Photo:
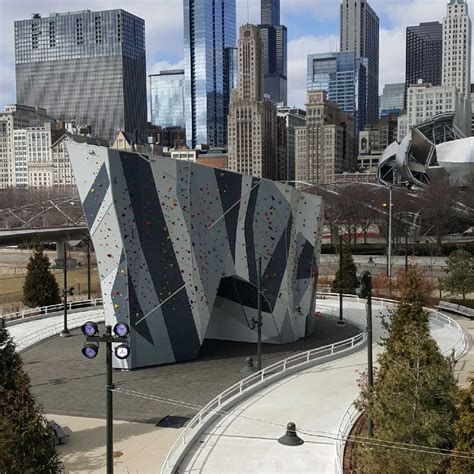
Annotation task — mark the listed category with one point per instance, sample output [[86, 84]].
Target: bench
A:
[[59, 434], [456, 308]]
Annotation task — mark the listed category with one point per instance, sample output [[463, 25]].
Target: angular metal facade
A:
[[84, 67], [177, 247]]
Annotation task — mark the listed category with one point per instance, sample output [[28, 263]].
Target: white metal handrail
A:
[[345, 427], [266, 376], [352, 413], [459, 346], [28, 312], [74, 321]]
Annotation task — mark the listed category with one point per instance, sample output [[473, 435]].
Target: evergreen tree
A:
[[464, 431], [26, 444], [349, 274], [40, 288], [413, 398], [460, 273]]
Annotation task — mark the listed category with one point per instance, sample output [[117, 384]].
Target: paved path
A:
[[66, 383], [315, 400], [141, 447]]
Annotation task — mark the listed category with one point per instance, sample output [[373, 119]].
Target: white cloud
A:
[[298, 51]]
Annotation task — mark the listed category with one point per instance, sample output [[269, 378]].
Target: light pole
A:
[[66, 291], [122, 351], [389, 237], [259, 314], [340, 321], [88, 255], [365, 291]]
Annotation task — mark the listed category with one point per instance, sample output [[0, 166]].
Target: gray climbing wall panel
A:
[[177, 247]]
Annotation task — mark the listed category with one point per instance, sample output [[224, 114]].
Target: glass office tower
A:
[[167, 98], [209, 28], [392, 101], [84, 67], [344, 78]]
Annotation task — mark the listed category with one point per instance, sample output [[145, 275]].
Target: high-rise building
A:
[[275, 52], [392, 101], [252, 118], [424, 101], [289, 119], [209, 28], [326, 147], [167, 99], [424, 53], [270, 12], [359, 25], [14, 119], [230, 75], [457, 47], [33, 166], [84, 67], [344, 78]]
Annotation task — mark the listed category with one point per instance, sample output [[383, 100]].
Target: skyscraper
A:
[[424, 53], [457, 47], [325, 146], [344, 78], [84, 67], [167, 98], [360, 33], [252, 118], [14, 119], [209, 28], [270, 12], [275, 52]]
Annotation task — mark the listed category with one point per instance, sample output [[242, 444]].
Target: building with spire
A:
[[359, 32], [275, 52], [252, 118]]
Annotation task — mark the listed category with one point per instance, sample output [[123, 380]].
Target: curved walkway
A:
[[28, 332], [245, 439]]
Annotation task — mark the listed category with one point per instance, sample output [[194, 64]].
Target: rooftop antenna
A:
[[248, 12]]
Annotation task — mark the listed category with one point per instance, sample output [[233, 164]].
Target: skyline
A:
[[313, 26]]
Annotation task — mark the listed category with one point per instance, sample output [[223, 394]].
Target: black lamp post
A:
[[66, 291], [122, 351], [365, 291], [88, 255], [341, 321]]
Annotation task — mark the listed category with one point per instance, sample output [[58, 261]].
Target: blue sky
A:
[[313, 26]]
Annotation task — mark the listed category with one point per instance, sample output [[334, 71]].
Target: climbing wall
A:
[[178, 246]]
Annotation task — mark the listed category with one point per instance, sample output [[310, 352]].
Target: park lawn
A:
[[11, 286]]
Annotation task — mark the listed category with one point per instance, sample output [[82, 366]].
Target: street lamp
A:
[[66, 291], [365, 291], [341, 321], [122, 351], [258, 323], [389, 237]]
